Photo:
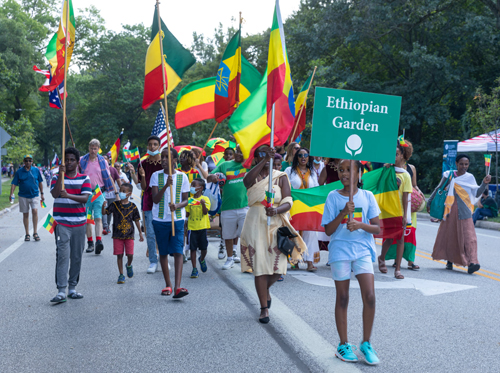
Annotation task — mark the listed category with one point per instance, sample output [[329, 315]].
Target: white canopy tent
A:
[[485, 143]]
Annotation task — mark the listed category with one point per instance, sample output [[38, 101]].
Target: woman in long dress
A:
[[456, 241], [259, 244], [302, 176]]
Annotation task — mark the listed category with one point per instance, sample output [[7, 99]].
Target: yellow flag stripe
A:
[[251, 134], [234, 63], [198, 97]]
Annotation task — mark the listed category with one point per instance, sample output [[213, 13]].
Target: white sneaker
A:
[[222, 252], [158, 267], [236, 258], [229, 264], [152, 268], [187, 252]]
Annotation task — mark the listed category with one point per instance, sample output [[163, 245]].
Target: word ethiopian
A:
[[341, 103]]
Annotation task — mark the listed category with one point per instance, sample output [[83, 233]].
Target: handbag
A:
[[417, 201], [437, 204], [285, 244]]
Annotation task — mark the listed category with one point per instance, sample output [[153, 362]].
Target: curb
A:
[[9, 209], [479, 224]]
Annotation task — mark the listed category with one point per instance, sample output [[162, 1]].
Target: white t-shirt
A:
[[204, 166], [123, 179], [185, 187]]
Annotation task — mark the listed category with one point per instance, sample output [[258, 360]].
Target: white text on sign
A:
[[340, 103]]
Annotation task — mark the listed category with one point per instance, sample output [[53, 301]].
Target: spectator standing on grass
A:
[[30, 183]]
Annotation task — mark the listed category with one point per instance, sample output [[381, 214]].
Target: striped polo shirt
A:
[[66, 211]]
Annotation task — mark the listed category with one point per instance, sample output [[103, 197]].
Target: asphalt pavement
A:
[[433, 321]]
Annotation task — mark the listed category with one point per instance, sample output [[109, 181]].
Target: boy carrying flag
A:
[[70, 216], [198, 224], [125, 214]]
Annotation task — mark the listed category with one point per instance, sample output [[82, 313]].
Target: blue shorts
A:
[[341, 270], [95, 208], [168, 245]]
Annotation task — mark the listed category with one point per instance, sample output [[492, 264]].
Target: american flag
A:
[[160, 130]]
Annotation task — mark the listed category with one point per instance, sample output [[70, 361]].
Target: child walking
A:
[[352, 248], [198, 224], [125, 214]]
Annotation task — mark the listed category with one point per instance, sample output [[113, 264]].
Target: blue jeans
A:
[[479, 214], [150, 236]]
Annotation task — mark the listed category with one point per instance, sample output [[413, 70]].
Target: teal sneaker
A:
[[121, 279], [203, 265], [371, 356], [130, 271], [194, 274], [344, 352]]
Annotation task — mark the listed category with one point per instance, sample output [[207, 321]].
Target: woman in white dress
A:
[[303, 176]]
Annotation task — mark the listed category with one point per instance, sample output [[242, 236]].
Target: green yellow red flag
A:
[[300, 102], [96, 194], [308, 204], [196, 101], [227, 84], [55, 49], [279, 81], [50, 224], [177, 60]]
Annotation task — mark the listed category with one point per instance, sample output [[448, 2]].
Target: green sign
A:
[[355, 125]]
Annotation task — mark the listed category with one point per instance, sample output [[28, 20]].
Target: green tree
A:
[[22, 140]]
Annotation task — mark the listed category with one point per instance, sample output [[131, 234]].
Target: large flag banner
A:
[[309, 204], [279, 81], [177, 61], [115, 149], [160, 130], [55, 49], [227, 85], [300, 102], [196, 101]]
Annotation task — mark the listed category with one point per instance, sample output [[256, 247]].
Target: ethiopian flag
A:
[[50, 224], [300, 104], [96, 194], [487, 160], [227, 84], [279, 81], [177, 60], [196, 101], [358, 216], [309, 204], [115, 149], [193, 202], [89, 218], [55, 49]]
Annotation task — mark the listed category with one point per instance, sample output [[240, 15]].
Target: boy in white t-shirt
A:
[[163, 210]]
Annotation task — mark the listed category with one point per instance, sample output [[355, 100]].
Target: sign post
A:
[[358, 126]]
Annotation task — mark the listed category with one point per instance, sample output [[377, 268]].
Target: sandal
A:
[[36, 237], [413, 267], [27, 237], [281, 278], [167, 291], [58, 299], [181, 292], [75, 295], [398, 275], [264, 320], [312, 269], [381, 265]]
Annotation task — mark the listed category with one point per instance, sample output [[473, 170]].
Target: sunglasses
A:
[[303, 155], [28, 160], [261, 154], [297, 148]]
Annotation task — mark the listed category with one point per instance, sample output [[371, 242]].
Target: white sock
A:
[[229, 258], [62, 294]]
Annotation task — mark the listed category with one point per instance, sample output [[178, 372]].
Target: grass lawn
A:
[[4, 198]]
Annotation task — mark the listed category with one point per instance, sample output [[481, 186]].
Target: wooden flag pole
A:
[[271, 165], [65, 90], [165, 110], [70, 135], [209, 137], [302, 108]]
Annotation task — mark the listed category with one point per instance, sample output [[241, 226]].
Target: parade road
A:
[[434, 320]]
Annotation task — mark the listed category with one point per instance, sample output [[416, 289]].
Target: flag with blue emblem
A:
[[227, 83]]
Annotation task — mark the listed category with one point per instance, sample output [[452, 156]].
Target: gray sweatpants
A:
[[70, 243]]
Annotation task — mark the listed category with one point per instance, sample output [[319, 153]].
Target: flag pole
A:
[[271, 165], [165, 113], [69, 131], [302, 108], [351, 186], [211, 133], [64, 95]]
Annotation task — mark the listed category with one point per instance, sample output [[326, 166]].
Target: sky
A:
[[183, 17]]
